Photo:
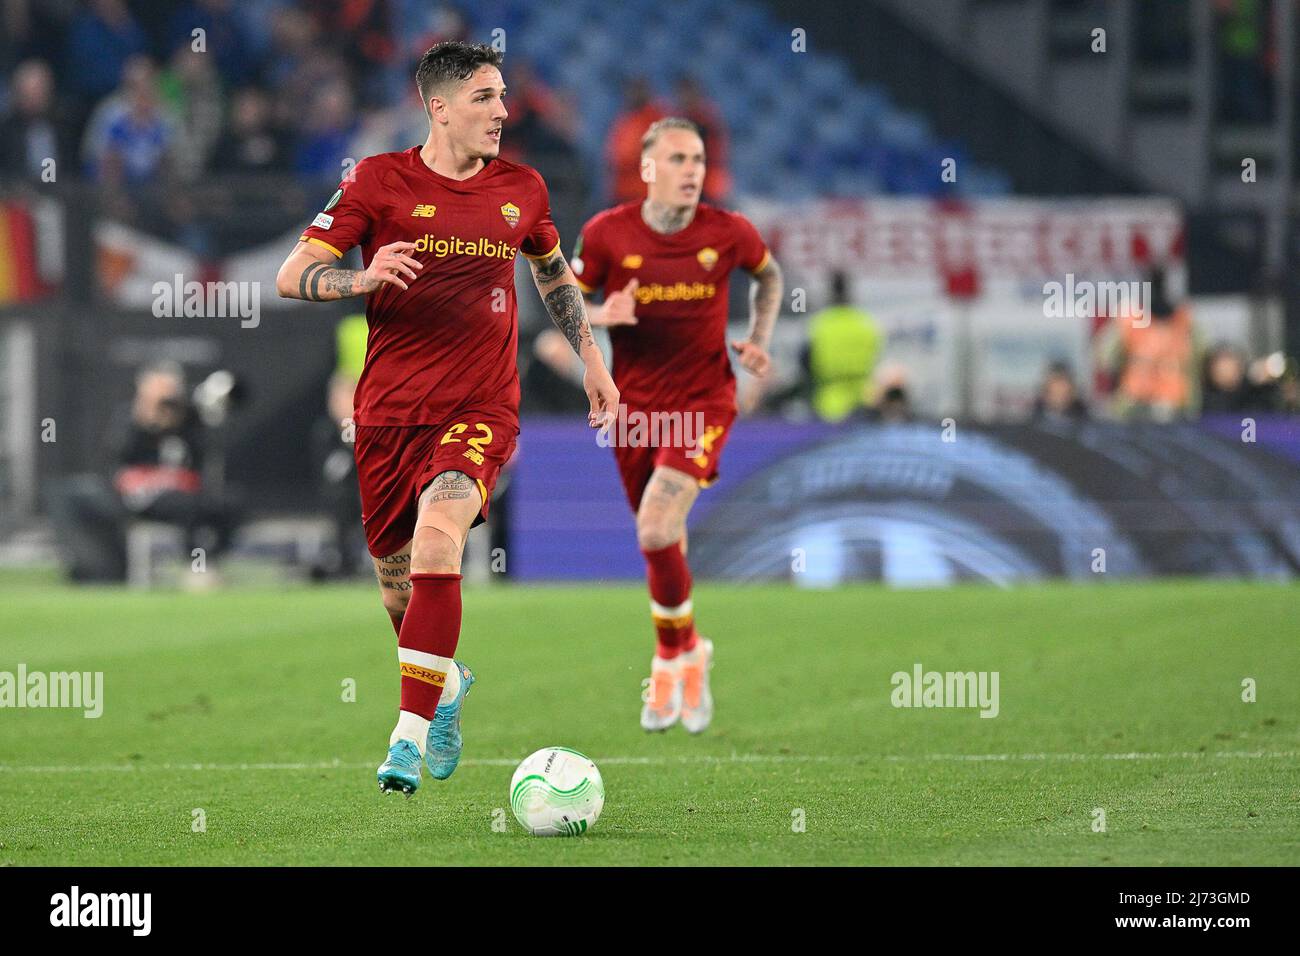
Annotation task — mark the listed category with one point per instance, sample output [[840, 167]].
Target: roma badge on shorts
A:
[[510, 212]]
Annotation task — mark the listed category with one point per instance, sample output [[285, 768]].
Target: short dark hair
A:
[[451, 61]]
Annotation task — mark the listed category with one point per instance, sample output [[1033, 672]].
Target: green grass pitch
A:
[[1125, 698]]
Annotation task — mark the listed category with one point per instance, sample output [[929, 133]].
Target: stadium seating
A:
[[852, 139]]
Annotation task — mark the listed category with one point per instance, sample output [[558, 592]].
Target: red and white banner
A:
[[964, 247]]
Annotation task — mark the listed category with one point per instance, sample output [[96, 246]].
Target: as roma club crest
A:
[[510, 212], [707, 257]]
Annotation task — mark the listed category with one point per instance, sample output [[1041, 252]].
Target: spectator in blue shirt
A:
[[137, 138]]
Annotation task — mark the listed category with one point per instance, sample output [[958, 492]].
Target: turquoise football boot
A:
[[442, 749], [401, 771]]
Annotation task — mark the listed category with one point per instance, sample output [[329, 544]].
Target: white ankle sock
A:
[[411, 727], [452, 686]]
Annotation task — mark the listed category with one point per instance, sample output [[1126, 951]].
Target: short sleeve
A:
[[543, 239], [348, 215], [590, 261], [751, 251]]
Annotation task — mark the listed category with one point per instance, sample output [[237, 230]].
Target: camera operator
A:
[[157, 474]]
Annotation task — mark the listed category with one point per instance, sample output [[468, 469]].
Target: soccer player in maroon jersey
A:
[[437, 404], [664, 265]]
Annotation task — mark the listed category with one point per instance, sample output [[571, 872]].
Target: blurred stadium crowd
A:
[[122, 93]]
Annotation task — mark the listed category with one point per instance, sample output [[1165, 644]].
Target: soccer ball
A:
[[557, 792]]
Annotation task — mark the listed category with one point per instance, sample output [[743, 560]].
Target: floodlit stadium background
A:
[[965, 166]]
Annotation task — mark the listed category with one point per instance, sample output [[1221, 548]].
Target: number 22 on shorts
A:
[[475, 451]]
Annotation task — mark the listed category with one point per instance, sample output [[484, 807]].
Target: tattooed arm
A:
[[309, 273], [764, 304], [564, 303]]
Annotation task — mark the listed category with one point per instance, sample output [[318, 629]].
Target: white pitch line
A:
[[1134, 755], [696, 759]]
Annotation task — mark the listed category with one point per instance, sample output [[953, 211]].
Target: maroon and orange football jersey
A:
[[449, 341], [675, 357]]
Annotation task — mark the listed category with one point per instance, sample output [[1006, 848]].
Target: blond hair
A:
[[668, 122]]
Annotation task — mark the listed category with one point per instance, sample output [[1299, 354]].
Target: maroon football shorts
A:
[[396, 462], [637, 463]]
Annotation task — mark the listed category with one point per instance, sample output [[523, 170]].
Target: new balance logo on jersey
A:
[[632, 261], [455, 246], [424, 211]]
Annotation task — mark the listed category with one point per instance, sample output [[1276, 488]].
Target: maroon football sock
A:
[[427, 640], [669, 578]]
